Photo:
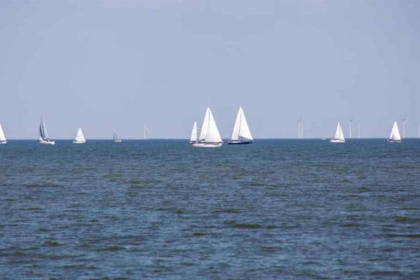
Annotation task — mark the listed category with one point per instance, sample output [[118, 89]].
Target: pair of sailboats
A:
[[44, 139], [394, 137], [210, 136]]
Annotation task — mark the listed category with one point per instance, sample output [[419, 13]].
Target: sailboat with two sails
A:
[[3, 139], [241, 133], [209, 135], [395, 136], [43, 134], [339, 136]]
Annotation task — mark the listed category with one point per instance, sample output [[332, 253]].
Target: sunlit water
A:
[[277, 209]]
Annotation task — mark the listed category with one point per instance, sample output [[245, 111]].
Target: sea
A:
[[161, 209]]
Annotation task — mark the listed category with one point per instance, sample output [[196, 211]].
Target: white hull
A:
[[48, 142], [3, 142], [79, 142], [394, 141], [206, 145], [117, 141], [337, 141]]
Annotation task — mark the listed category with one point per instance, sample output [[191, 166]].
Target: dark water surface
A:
[[277, 209]]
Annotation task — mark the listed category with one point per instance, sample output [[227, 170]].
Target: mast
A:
[[350, 128]]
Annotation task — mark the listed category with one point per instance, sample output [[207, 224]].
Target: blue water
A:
[[277, 209]]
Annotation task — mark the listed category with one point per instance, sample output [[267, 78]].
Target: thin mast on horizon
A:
[[300, 127], [145, 130], [350, 128]]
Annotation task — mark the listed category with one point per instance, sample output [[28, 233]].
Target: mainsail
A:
[[194, 133], [209, 131], [395, 133], [241, 129], [2, 136], [43, 134], [80, 138], [339, 133]]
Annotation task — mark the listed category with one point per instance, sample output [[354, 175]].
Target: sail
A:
[[194, 133], [209, 131], [205, 125], [339, 133], [241, 128], [115, 135], [79, 136], [2, 136], [395, 133], [43, 130]]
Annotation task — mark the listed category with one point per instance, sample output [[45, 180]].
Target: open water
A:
[[276, 209]]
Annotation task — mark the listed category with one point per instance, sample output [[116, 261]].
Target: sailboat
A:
[[80, 138], [43, 134], [116, 138], [3, 139], [241, 133], [395, 136], [194, 134], [339, 136], [209, 135]]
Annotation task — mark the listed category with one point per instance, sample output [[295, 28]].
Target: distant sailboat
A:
[[194, 134], [43, 134], [395, 136], [241, 133], [116, 138], [209, 136], [339, 136], [3, 139], [80, 138]]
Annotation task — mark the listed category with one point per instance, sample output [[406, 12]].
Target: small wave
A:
[[42, 185], [407, 220], [228, 210], [171, 209], [52, 243], [200, 233], [113, 248], [403, 235]]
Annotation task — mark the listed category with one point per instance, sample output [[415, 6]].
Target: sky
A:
[[105, 65]]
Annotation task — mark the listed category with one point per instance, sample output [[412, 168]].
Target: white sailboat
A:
[[395, 136], [209, 136], [3, 139], [80, 138], [116, 138], [43, 134], [194, 134], [339, 136], [241, 133]]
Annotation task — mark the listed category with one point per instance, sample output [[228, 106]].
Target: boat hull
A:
[[3, 142], [394, 141], [239, 142], [337, 141], [79, 142], [47, 142], [206, 145], [117, 141]]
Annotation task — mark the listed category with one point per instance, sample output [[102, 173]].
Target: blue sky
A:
[[102, 65]]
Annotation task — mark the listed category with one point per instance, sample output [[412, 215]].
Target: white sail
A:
[[241, 128], [80, 138], [116, 138], [194, 133], [339, 136], [212, 132], [2, 136], [43, 133], [395, 133], [205, 126]]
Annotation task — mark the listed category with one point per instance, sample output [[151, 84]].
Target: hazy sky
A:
[[102, 65]]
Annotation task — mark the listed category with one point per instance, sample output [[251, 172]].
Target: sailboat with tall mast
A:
[[241, 133], [209, 135], [43, 134], [339, 136], [395, 136], [3, 139], [80, 137], [116, 138]]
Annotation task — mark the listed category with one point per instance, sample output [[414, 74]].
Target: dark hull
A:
[[240, 142]]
